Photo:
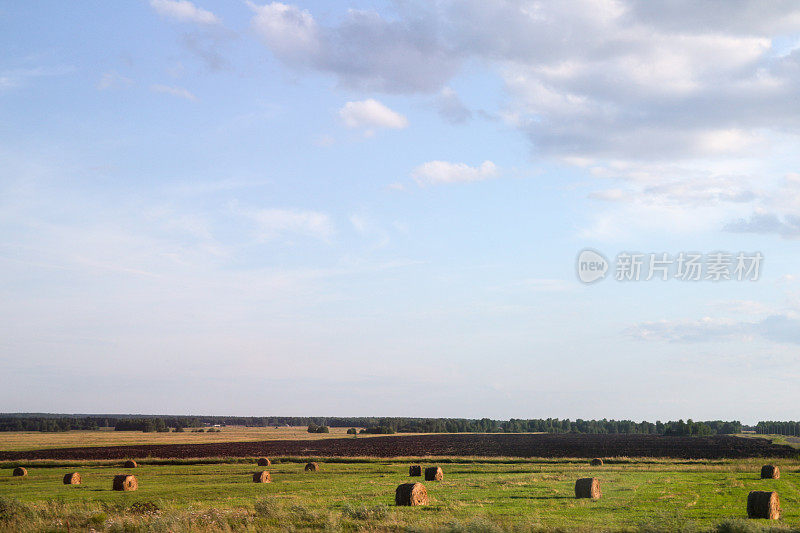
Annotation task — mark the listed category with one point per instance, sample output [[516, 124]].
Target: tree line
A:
[[778, 428], [388, 425]]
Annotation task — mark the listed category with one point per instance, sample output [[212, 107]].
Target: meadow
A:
[[477, 494]]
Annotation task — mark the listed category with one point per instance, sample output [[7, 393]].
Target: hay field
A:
[[34, 440], [475, 495]]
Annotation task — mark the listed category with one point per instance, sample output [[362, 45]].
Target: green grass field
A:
[[476, 495]]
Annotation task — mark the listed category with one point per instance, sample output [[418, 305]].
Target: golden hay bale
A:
[[125, 482], [411, 494], [433, 473], [588, 487], [263, 461], [262, 477], [597, 462], [73, 478], [770, 472], [312, 467], [130, 464], [414, 470], [763, 504], [19, 471]]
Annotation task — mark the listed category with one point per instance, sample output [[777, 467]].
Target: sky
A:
[[376, 208]]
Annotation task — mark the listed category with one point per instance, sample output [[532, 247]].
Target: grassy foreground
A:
[[518, 495]]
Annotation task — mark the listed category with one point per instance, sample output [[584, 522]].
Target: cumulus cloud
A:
[[626, 84], [365, 50], [669, 106], [291, 33], [436, 172], [635, 80], [180, 92], [370, 114], [742, 17], [184, 11]]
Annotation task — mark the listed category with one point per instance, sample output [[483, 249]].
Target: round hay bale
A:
[[263, 461], [130, 464], [763, 504], [125, 482], [770, 472], [433, 473], [262, 477], [588, 487], [597, 462], [411, 494], [312, 467], [73, 478], [414, 470], [19, 471]]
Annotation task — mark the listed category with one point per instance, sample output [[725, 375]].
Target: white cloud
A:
[[703, 330], [635, 81], [274, 223], [777, 211], [113, 80], [670, 198], [735, 196], [184, 11], [292, 34], [370, 114], [435, 172], [174, 91], [367, 227], [764, 223], [779, 328], [365, 51]]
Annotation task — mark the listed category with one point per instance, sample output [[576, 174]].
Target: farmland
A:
[[490, 445], [31, 440], [476, 495], [491, 483]]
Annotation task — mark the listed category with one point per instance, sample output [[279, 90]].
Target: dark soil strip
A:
[[459, 445]]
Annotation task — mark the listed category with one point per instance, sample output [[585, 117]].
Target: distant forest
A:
[[151, 423]]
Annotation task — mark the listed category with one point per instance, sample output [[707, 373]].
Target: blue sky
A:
[[375, 208]]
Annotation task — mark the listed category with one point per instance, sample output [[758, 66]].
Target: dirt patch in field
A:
[[458, 445]]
